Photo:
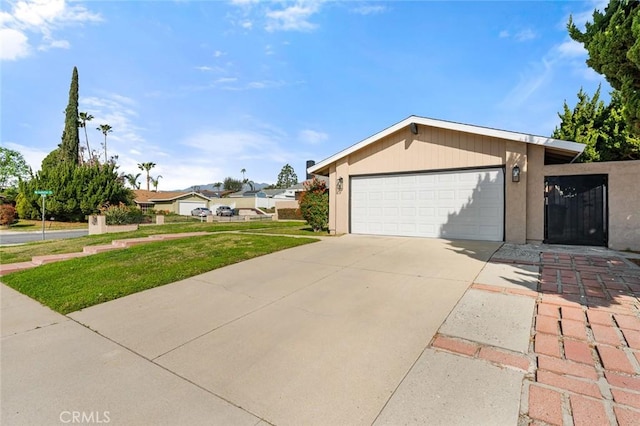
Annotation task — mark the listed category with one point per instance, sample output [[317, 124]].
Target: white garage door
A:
[[187, 206], [465, 204]]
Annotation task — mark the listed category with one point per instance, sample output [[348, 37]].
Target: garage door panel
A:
[[185, 207], [465, 204]]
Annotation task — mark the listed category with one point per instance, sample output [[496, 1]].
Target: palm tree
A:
[[243, 171], [105, 128], [132, 180], [84, 117], [155, 181], [147, 168], [218, 185]]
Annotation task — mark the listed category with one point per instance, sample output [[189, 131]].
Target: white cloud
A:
[[525, 35], [312, 137], [261, 149], [570, 49], [282, 15], [32, 156], [369, 9], [39, 19], [54, 44], [292, 18], [226, 80], [218, 53], [567, 55], [120, 113], [14, 44], [265, 84]]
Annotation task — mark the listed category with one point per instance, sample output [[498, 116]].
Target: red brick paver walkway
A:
[[586, 339]]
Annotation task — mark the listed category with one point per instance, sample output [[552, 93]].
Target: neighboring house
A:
[[432, 178], [179, 202], [211, 194], [274, 193], [294, 192], [290, 199], [287, 194], [248, 194]]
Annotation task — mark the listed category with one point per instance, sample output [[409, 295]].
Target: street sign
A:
[[44, 194]]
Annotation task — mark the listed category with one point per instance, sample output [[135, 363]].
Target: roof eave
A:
[[568, 146]]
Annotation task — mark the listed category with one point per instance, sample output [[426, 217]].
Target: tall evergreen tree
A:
[[613, 43], [70, 146], [287, 177], [602, 128], [77, 191]]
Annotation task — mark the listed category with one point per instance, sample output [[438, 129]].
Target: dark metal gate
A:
[[576, 210]]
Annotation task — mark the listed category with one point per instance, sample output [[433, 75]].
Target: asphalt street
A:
[[7, 238]]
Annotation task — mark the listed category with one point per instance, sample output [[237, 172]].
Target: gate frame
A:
[[605, 212]]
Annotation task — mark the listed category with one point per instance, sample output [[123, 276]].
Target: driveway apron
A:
[[318, 334]]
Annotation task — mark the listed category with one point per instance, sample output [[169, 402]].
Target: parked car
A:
[[224, 211], [201, 211]]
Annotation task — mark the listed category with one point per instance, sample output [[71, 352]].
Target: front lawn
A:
[[82, 282], [304, 230], [24, 253]]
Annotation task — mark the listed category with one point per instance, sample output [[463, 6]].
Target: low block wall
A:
[[98, 225]]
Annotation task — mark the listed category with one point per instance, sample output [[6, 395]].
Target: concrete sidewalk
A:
[[55, 370]]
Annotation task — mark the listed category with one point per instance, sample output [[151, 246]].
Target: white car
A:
[[224, 211], [201, 211]]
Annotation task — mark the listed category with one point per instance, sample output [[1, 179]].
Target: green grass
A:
[[82, 282], [24, 253], [301, 230]]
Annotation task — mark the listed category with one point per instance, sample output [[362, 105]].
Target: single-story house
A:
[[179, 202], [259, 193], [294, 191], [275, 193], [432, 178]]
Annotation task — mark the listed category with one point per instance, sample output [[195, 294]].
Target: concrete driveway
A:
[[318, 334]]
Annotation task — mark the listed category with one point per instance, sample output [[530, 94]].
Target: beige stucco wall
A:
[[430, 149], [515, 218], [433, 149], [167, 206], [623, 199]]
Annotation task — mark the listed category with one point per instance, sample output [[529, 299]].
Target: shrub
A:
[[122, 214], [7, 214], [314, 204], [289, 214]]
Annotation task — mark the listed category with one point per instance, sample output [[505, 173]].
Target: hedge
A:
[[289, 214]]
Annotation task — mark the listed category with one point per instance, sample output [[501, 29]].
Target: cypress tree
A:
[[70, 136]]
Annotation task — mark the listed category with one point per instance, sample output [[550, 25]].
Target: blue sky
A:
[[207, 88]]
